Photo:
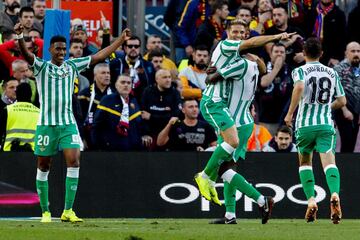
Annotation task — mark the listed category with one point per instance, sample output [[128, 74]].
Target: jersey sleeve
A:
[[339, 91], [235, 70], [81, 63], [297, 75], [228, 47], [37, 65]]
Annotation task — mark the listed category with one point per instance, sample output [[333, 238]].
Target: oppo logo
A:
[[279, 195]]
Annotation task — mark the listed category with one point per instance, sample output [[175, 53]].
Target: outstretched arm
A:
[[260, 41], [29, 56], [104, 53]]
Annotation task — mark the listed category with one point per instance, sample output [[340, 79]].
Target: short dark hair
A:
[[57, 38], [188, 100], [75, 40], [218, 4], [243, 8], [154, 53], [313, 48], [201, 47], [6, 35], [26, 9], [33, 2], [284, 129], [281, 6], [23, 92], [277, 44]]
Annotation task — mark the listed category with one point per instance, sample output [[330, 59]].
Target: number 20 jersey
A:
[[322, 84]]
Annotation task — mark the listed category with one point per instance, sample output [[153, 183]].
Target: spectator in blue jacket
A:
[[117, 122]]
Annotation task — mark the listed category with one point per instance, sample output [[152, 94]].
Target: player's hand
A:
[[147, 140], [348, 115], [288, 120], [18, 28], [285, 35], [210, 69], [251, 57], [145, 115], [126, 34]]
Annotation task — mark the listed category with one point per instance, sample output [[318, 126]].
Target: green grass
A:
[[174, 229]]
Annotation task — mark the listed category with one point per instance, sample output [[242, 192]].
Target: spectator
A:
[[79, 31], [39, 11], [294, 55], [90, 98], [212, 30], [6, 36], [9, 93], [117, 121], [34, 34], [263, 21], [154, 43], [22, 73], [275, 89], [296, 11], [189, 134], [194, 14], [141, 71], [159, 103], [260, 136], [157, 59], [18, 122], [193, 77], [327, 22], [9, 17], [76, 48], [244, 13], [347, 118], [26, 18], [282, 142]]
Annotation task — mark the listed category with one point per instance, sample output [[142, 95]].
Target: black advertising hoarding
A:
[[160, 185]]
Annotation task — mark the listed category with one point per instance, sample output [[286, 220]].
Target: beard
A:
[[201, 66], [13, 6]]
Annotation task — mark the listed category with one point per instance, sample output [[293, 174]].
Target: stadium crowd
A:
[[145, 101]]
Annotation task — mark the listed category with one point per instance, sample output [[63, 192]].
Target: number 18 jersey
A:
[[322, 84]]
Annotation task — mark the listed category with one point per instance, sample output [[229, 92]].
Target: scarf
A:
[[319, 26], [123, 125], [133, 73], [219, 29]]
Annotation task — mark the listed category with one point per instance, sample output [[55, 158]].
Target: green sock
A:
[[219, 155], [42, 188], [243, 186], [71, 187], [229, 196], [333, 179], [307, 181]]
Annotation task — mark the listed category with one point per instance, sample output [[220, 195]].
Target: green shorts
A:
[[244, 133], [48, 139], [216, 114], [321, 138]]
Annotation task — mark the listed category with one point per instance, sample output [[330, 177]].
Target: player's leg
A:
[[218, 116], [70, 143], [46, 140], [306, 143], [326, 143]]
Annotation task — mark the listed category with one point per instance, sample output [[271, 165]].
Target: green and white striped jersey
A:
[[55, 86], [242, 91], [322, 84], [226, 52]]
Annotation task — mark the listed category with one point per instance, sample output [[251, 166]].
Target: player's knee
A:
[[234, 142]]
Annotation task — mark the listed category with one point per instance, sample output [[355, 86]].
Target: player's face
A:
[[353, 53], [279, 17], [283, 140], [237, 32], [191, 109], [58, 52], [102, 76], [123, 85]]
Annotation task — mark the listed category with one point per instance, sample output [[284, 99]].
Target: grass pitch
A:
[[176, 229]]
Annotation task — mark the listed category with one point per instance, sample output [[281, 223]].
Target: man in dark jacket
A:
[[117, 121]]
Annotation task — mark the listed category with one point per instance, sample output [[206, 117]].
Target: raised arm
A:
[[260, 41], [29, 56], [104, 53]]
